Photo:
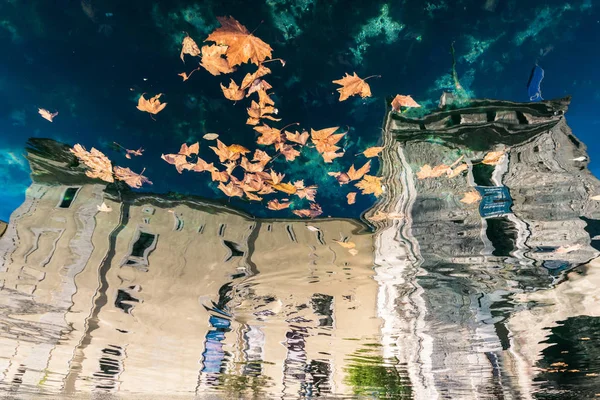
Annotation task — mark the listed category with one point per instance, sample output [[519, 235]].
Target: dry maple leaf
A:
[[341, 177], [300, 138], [314, 211], [189, 150], [382, 216], [289, 152], [346, 245], [185, 75], [152, 105], [99, 165], [372, 151], [370, 184], [219, 176], [493, 157], [213, 60], [268, 135], [351, 197], [232, 92], [201, 166], [178, 160], [276, 177], [256, 112], [285, 188], [231, 189], [252, 196], [325, 140], [328, 156], [188, 46], [351, 85], [259, 85], [428, 172], [103, 208], [305, 192], [250, 78], [242, 45], [354, 175], [276, 205], [471, 197], [403, 101], [261, 157], [129, 153], [131, 178], [264, 100], [210, 136], [228, 153], [47, 115], [251, 167]]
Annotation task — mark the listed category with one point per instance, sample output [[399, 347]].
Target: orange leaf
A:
[[259, 85], [231, 189], [276, 205], [261, 156], [131, 178], [300, 138], [370, 184], [188, 46], [285, 188], [230, 153], [351, 85], [232, 92], [99, 165], [178, 160], [325, 140], [213, 60], [355, 175], [471, 197], [250, 167], [305, 192], [314, 211], [219, 176], [493, 157], [252, 196], [428, 172], [202, 166], [372, 151], [341, 177], [403, 101], [47, 115], [242, 45], [191, 150], [346, 245], [453, 173], [351, 197], [152, 105], [289, 152], [276, 177], [268, 135], [328, 156], [250, 78]]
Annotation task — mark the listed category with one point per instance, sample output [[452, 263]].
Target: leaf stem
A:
[[372, 76]]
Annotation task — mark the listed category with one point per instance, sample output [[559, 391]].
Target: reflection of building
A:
[[455, 267], [169, 296]]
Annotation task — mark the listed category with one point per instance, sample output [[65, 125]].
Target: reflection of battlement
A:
[[173, 296]]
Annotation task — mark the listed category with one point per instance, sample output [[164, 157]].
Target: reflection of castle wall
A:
[[121, 301]]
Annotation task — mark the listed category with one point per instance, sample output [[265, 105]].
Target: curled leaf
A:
[[351, 197], [285, 188], [188, 46], [471, 197], [370, 184], [403, 101], [232, 92], [276, 205], [493, 157], [312, 212], [351, 85], [99, 166], [152, 105], [131, 178], [47, 115]]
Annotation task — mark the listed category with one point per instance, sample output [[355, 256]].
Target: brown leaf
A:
[[259, 85], [403, 101], [372, 151], [351, 197], [232, 92], [328, 156], [325, 141], [210, 136], [351, 85], [261, 157], [289, 152], [356, 175], [305, 192], [381, 216], [231, 190], [129, 153], [152, 105], [178, 160], [201, 166], [268, 135], [219, 176], [99, 165], [341, 177], [493, 157], [47, 115], [314, 211], [276, 205], [250, 167], [191, 150], [250, 78], [131, 178], [285, 188], [242, 45], [252, 196], [188, 46], [213, 60], [471, 197], [300, 138], [256, 112], [276, 177], [370, 184]]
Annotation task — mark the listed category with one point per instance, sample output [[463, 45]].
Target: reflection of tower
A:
[[161, 293], [456, 265]]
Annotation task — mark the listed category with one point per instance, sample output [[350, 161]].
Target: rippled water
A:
[[178, 297]]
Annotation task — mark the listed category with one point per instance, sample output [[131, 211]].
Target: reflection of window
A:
[[322, 305], [142, 245], [68, 197]]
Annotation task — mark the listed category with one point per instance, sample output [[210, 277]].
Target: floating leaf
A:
[[152, 106], [372, 151], [428, 172], [403, 101], [289, 152], [261, 157], [341, 177], [213, 60], [300, 138], [103, 208], [250, 78], [232, 92], [188, 46], [251, 167], [259, 85], [210, 136], [471, 197], [47, 115], [268, 135], [329, 156], [346, 245], [370, 184], [351, 85], [493, 157], [305, 192], [256, 112], [228, 153], [99, 165], [382, 216], [314, 211], [276, 205], [357, 174], [351, 197], [131, 178], [242, 45], [285, 188], [453, 173], [231, 190]]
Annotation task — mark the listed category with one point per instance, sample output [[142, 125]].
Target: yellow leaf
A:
[[471, 197], [372, 151], [370, 184], [285, 187]]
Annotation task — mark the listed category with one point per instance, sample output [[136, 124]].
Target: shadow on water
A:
[[430, 295]]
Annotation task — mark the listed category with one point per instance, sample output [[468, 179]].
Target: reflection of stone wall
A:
[[121, 301], [3, 226]]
